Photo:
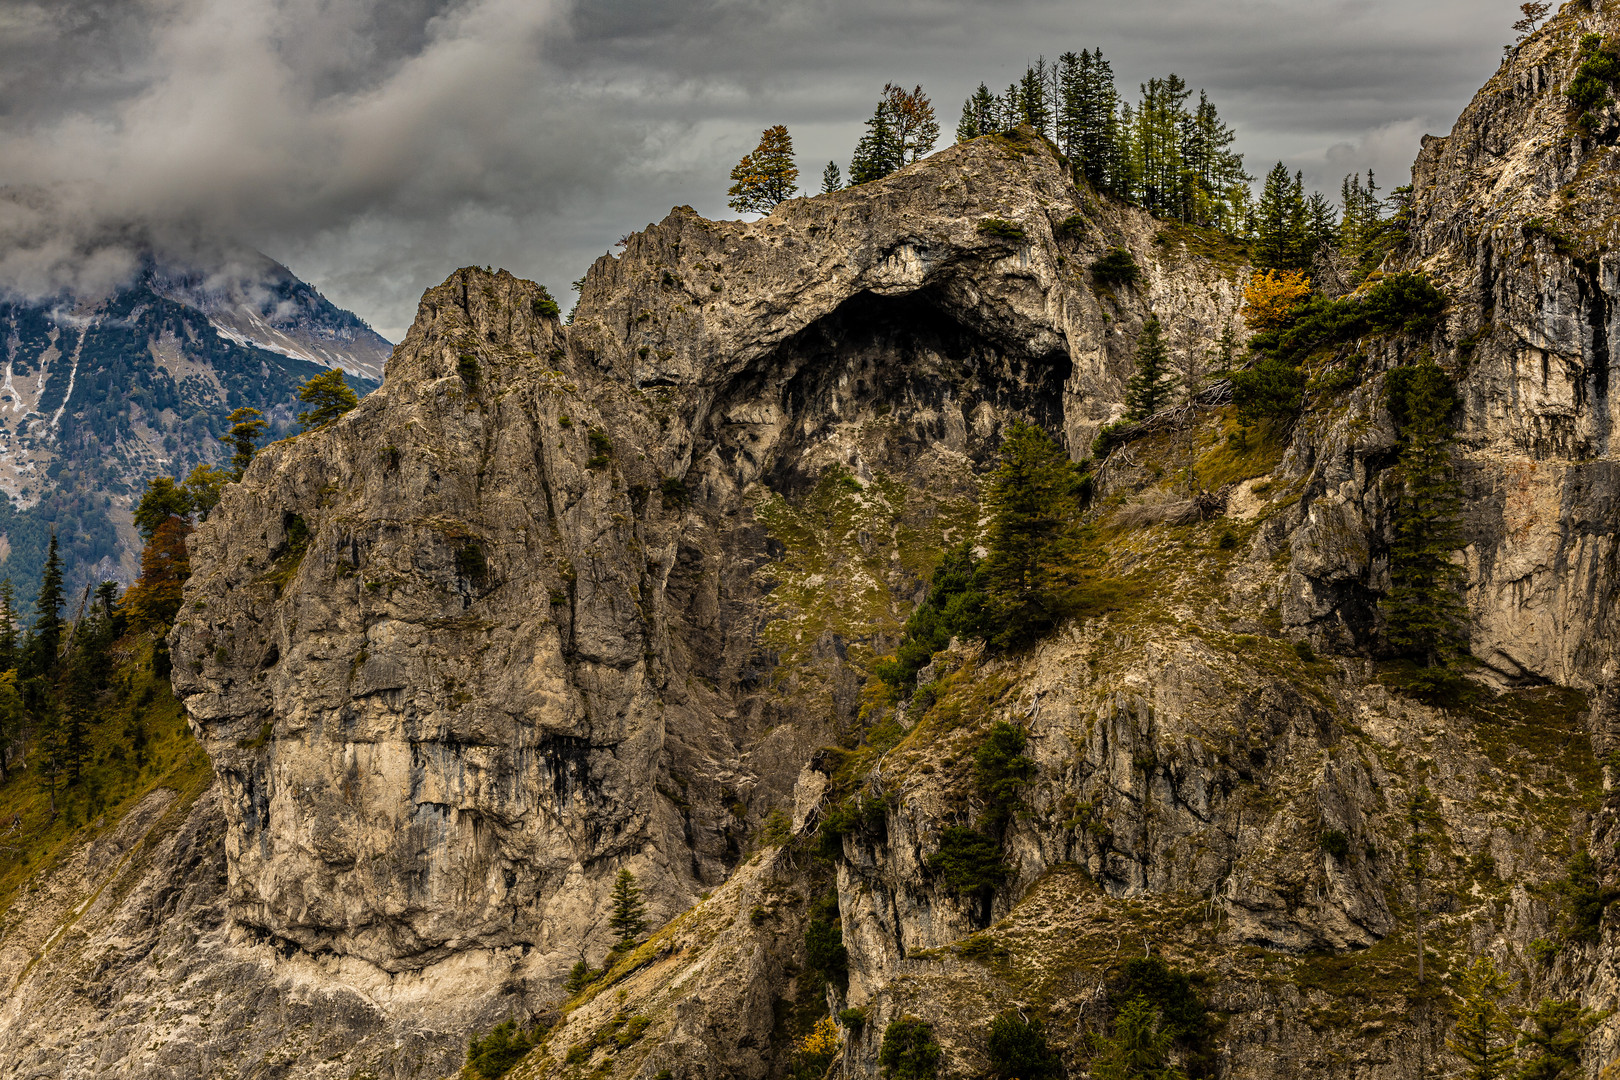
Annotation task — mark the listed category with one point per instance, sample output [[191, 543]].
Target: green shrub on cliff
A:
[[909, 1050], [493, 1056]]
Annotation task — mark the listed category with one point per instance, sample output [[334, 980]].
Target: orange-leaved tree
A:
[[767, 176], [154, 600], [1271, 294]]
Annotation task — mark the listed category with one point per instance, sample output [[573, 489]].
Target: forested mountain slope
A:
[[97, 397], [1191, 757]]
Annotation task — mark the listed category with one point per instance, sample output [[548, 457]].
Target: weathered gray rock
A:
[[561, 600]]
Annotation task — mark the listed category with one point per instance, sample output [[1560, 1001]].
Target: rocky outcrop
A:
[[559, 600]]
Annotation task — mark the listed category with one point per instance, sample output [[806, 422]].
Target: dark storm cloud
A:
[[375, 145]]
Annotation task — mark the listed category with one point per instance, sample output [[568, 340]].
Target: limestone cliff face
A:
[[557, 600]]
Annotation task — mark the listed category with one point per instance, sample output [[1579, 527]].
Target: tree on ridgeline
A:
[[203, 488], [247, 428], [915, 129], [879, 151], [766, 177], [980, 116], [1530, 17], [328, 396], [831, 178], [1280, 222]]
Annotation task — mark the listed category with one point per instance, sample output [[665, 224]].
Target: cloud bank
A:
[[376, 145]]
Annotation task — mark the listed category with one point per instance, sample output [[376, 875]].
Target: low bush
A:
[[494, 1055], [1002, 230], [909, 1050], [1017, 1049], [1118, 267], [968, 861]]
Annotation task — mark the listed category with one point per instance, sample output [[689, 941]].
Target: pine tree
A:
[[8, 626], [1030, 574], [831, 178], [47, 636], [203, 489], [247, 427], [328, 397], [1033, 105], [1280, 222], [1139, 1047], [1151, 387], [1423, 612], [629, 916], [879, 152], [1557, 1030], [766, 177], [77, 715], [1482, 1037], [979, 115], [162, 500]]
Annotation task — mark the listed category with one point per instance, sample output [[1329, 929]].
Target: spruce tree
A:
[[629, 916], [1424, 614], [831, 178], [1280, 222], [77, 713], [978, 115], [8, 626], [162, 500], [1557, 1030], [1031, 572], [1482, 1037], [328, 397], [247, 427], [1151, 387], [47, 637], [1139, 1047], [879, 152], [767, 177]]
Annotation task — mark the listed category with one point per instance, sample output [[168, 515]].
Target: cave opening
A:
[[909, 360]]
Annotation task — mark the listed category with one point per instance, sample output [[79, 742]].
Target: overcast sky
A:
[[376, 145]]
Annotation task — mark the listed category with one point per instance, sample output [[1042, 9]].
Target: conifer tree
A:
[[879, 152], [1150, 388], [47, 637], [1030, 573], [328, 397], [1280, 220], [629, 916], [78, 705], [1557, 1030], [247, 427], [1423, 613], [831, 178], [162, 500], [1032, 98], [203, 488], [8, 626], [1482, 1037], [766, 177], [979, 115], [1139, 1047]]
